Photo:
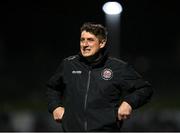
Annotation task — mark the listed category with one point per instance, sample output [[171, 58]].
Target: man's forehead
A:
[[87, 34]]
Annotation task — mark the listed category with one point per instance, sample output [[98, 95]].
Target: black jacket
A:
[[91, 94]]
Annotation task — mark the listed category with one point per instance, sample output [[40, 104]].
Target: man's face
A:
[[90, 44]]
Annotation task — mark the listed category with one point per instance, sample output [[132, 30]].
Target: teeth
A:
[[87, 50]]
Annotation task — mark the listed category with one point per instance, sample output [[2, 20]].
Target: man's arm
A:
[[138, 92], [55, 88]]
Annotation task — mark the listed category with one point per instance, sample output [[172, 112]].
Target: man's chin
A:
[[86, 55]]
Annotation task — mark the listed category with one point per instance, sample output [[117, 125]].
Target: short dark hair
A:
[[97, 29]]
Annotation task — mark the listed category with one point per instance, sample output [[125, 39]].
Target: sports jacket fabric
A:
[[92, 93]]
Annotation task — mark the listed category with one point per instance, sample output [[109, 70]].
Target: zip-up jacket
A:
[[92, 94]]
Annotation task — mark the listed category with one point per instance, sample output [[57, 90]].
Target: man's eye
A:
[[90, 39], [81, 39]]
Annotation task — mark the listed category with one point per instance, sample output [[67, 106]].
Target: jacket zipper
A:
[[86, 96]]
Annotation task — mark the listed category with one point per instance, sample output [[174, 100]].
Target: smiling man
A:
[[90, 44], [94, 92]]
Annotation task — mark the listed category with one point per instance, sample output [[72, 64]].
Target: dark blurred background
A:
[[36, 35]]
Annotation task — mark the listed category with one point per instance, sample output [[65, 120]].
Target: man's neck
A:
[[94, 59]]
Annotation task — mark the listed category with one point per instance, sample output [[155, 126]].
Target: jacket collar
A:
[[95, 61]]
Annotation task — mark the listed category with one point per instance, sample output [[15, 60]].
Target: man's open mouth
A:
[[87, 50]]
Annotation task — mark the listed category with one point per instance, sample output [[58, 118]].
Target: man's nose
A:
[[85, 43]]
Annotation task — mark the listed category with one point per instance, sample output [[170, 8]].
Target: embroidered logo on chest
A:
[[107, 74], [76, 72]]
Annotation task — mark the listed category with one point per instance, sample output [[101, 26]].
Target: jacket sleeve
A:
[[138, 91], [55, 87]]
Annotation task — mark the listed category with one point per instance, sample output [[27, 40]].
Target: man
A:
[[92, 91]]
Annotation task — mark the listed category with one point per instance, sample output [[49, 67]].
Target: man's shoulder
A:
[[117, 61], [71, 58], [125, 66]]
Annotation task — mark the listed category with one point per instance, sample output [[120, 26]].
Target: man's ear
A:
[[103, 43]]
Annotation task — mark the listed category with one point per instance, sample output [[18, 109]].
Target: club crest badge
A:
[[107, 74]]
